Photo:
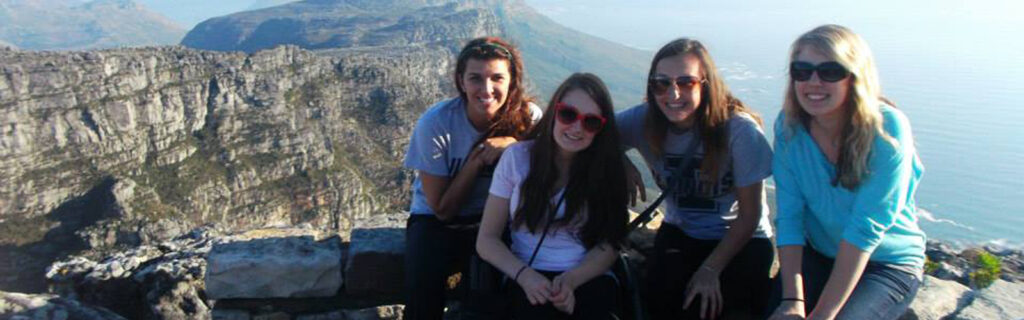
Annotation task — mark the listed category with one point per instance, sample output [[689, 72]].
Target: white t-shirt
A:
[[561, 250]]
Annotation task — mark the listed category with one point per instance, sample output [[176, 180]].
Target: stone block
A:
[[289, 267], [376, 262], [1001, 300]]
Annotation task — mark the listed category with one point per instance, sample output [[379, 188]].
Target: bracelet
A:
[[793, 299], [516, 278]]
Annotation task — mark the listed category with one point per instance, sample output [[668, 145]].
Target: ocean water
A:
[[954, 67]]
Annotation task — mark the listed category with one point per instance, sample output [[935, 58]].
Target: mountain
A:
[[77, 25], [552, 51], [123, 147]]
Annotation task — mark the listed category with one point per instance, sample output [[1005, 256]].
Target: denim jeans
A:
[[883, 292]]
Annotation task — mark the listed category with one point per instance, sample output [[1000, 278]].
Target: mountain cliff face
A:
[[74, 25], [551, 51], [130, 146]]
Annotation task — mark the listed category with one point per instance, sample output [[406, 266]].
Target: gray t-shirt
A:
[[704, 211], [440, 143]]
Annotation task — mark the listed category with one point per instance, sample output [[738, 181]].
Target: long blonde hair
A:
[[862, 106]]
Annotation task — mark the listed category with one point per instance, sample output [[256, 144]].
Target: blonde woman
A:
[[846, 171]]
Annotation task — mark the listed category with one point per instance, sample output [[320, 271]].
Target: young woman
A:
[[453, 150], [570, 168], [846, 171], [712, 253]]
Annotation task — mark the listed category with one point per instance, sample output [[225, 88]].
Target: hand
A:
[[536, 286], [705, 283], [490, 150], [634, 182], [789, 310], [564, 298]]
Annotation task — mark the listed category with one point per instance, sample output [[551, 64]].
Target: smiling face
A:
[[572, 138], [486, 85], [816, 97], [679, 103]]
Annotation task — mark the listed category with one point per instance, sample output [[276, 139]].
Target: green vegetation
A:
[[930, 266], [988, 270]]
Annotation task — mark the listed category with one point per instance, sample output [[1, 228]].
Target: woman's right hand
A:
[[536, 286], [490, 150], [789, 310]]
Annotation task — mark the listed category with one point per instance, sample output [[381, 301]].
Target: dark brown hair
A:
[[596, 192], [716, 106], [514, 118]]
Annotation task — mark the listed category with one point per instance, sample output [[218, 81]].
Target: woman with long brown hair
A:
[[712, 252], [454, 148], [564, 189], [846, 171]]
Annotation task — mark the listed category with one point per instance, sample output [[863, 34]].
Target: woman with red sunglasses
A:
[[565, 189], [712, 251], [453, 149], [845, 172]]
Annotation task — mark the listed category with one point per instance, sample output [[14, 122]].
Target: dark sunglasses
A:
[[827, 71], [660, 84], [567, 114]]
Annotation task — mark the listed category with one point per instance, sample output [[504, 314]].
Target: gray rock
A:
[[376, 256], [47, 306], [221, 314], [388, 312], [947, 271], [1001, 300], [937, 299], [274, 268]]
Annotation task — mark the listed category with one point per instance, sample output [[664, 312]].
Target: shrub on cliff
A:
[[988, 268]]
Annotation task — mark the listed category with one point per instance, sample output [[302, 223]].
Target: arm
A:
[[445, 196], [493, 250], [705, 281], [850, 264], [791, 267], [595, 263]]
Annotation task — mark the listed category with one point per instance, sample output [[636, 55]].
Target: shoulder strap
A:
[[551, 219], [644, 217]]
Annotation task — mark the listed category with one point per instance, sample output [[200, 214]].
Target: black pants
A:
[[434, 250], [595, 299], [745, 282]]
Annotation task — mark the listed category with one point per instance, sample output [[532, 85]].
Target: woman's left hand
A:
[[563, 298], [705, 283]]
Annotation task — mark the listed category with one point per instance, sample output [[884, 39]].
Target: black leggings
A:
[[595, 299], [745, 282], [434, 250]]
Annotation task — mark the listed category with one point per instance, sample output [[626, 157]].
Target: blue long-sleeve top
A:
[[878, 216]]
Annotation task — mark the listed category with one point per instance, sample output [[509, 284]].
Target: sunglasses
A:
[[567, 114], [827, 71], [660, 84]]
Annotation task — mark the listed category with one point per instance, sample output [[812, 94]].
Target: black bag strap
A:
[[551, 220], [644, 217]]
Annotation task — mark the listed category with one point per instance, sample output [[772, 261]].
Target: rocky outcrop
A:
[[47, 306], [134, 146], [937, 299], [1002, 300], [164, 281]]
